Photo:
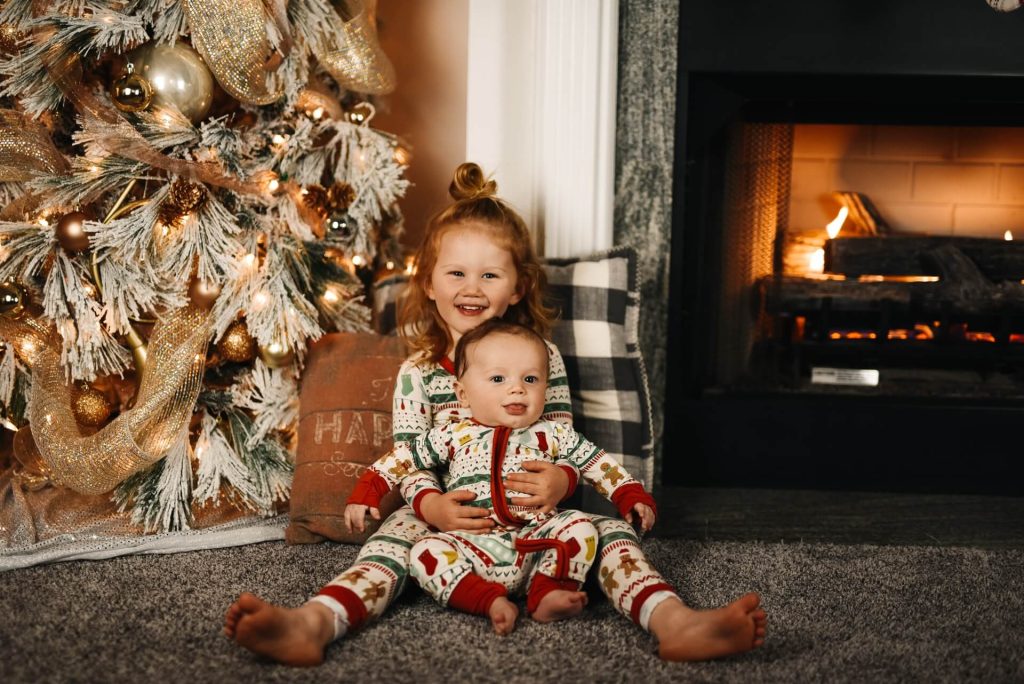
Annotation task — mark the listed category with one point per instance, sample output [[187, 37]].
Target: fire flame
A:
[[1007, 236], [836, 224]]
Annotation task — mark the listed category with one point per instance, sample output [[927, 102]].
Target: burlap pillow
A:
[[344, 425]]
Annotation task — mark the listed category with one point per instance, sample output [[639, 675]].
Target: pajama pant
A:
[[363, 592], [468, 571]]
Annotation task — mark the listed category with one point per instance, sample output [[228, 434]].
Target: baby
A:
[[501, 371]]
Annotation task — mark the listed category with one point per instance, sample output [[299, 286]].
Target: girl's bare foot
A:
[[559, 605], [293, 636], [687, 634], [503, 614]]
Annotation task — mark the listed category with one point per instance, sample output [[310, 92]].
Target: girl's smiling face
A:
[[473, 280]]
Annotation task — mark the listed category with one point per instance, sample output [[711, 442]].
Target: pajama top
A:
[[479, 457]]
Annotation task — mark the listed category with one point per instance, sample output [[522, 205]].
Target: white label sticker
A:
[[862, 377]]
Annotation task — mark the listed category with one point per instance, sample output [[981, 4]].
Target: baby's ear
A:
[[460, 394]]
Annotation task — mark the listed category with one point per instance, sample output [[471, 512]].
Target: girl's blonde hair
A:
[[476, 202]]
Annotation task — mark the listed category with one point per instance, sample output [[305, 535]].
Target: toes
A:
[[749, 602]]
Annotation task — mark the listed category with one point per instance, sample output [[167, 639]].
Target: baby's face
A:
[[505, 380]]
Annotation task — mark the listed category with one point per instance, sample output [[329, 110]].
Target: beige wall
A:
[[924, 179], [427, 41]]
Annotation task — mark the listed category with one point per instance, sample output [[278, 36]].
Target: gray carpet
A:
[[838, 613]]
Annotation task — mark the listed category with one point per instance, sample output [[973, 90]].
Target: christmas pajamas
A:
[[538, 558], [425, 397]]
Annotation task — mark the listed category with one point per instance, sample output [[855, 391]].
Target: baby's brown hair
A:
[[496, 326], [475, 202]]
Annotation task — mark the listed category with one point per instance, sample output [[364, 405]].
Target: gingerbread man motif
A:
[[374, 592], [402, 469], [608, 581], [354, 576], [629, 565], [612, 473]]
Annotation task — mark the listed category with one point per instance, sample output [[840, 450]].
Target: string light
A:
[[331, 296]]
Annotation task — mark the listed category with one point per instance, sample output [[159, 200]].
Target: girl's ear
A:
[[429, 287], [518, 295], [460, 394]]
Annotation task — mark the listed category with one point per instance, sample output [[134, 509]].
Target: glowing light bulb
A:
[[358, 260], [331, 296]]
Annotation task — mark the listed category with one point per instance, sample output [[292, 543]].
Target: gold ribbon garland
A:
[[140, 436], [26, 149], [231, 35], [355, 58]]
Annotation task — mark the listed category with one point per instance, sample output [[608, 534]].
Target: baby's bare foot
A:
[[293, 636], [503, 614], [687, 634], [559, 605]]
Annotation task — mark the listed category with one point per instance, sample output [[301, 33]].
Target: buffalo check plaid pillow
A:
[[597, 332]]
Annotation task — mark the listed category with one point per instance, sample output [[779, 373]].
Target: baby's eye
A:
[[497, 379], [531, 379], [457, 274], [490, 276]]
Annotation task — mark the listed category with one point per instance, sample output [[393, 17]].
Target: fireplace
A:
[[889, 356]]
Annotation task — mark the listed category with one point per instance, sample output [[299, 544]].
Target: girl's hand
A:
[[546, 483], [446, 512], [355, 516], [646, 514]]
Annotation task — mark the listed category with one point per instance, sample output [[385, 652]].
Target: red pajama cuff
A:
[[473, 594], [542, 585], [369, 490], [627, 496], [418, 500], [574, 479]]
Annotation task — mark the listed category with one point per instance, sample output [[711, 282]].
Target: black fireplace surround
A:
[[914, 62]]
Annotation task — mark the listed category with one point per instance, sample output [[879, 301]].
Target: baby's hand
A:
[[646, 514], [355, 516], [545, 484]]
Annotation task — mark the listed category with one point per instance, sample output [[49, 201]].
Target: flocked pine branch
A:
[[160, 497], [273, 397]]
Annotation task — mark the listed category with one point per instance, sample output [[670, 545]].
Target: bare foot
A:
[[503, 614], [559, 605], [687, 634], [293, 636]]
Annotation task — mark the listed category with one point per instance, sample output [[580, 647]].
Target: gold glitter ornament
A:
[[91, 407], [11, 39], [276, 355], [182, 198], [13, 299], [237, 345], [70, 232], [178, 76], [131, 92]]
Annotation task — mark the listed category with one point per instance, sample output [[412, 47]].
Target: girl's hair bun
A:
[[469, 182]]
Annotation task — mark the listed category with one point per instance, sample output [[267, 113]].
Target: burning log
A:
[[997, 259], [961, 288], [864, 216]]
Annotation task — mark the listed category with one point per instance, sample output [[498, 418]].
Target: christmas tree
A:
[[191, 194]]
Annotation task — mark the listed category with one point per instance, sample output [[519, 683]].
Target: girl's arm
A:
[[557, 403], [412, 414], [605, 474]]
